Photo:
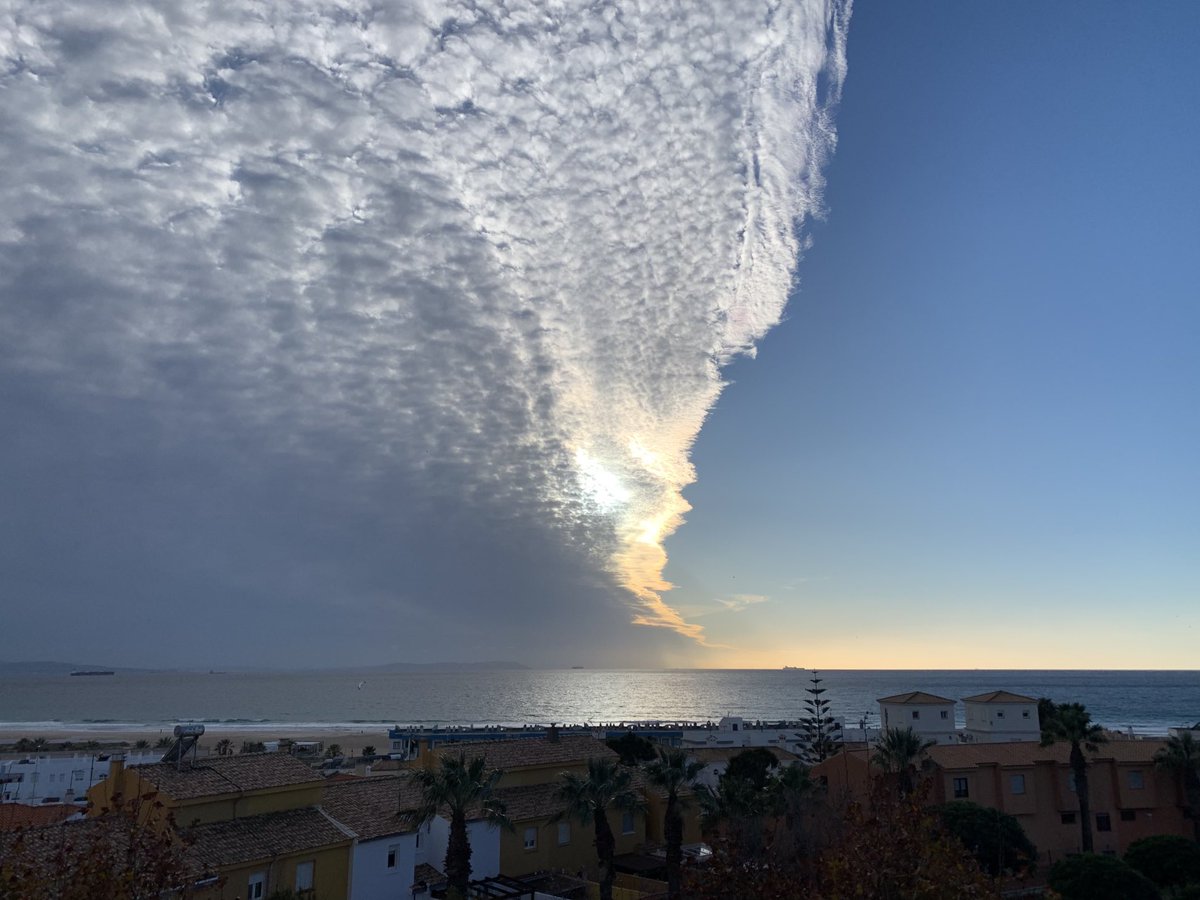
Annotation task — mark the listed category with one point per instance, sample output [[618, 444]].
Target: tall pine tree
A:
[[822, 734]]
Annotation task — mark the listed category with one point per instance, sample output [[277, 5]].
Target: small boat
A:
[[94, 672]]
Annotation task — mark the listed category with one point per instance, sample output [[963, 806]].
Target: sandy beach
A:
[[351, 740]]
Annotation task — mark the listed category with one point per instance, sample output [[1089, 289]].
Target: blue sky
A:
[[974, 440]]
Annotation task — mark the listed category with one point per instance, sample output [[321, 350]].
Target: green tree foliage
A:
[[675, 774], [141, 745], [822, 736], [224, 747], [162, 743], [632, 748], [1070, 723], [368, 750], [458, 786], [752, 766], [996, 839], [333, 751], [1181, 755], [1168, 860], [1092, 877], [898, 751], [589, 798], [890, 849]]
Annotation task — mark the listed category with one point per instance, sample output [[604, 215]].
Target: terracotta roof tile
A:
[[915, 697], [517, 753], [21, 815], [221, 844], [1027, 753], [228, 774], [999, 697], [372, 807]]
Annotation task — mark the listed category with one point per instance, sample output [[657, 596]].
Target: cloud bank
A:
[[288, 290]]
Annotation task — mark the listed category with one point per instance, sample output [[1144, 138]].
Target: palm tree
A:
[[141, 745], [1070, 723], [897, 752], [1182, 756], [333, 751], [368, 750], [457, 786], [589, 798], [224, 747], [162, 743], [674, 773]]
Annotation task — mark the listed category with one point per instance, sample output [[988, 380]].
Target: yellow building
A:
[[254, 822], [541, 838]]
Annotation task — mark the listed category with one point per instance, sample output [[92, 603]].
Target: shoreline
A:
[[123, 738]]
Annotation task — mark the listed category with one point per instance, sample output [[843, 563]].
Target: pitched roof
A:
[[916, 697], [372, 807], [999, 697], [517, 753], [1027, 753], [228, 774], [533, 801], [221, 844], [22, 815]]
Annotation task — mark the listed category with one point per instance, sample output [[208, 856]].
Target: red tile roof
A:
[[20, 815], [518, 753], [222, 844], [217, 775], [1027, 753], [999, 697], [373, 807], [915, 697]]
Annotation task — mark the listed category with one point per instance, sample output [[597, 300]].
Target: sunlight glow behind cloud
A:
[[502, 247]]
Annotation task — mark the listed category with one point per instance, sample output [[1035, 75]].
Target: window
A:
[[1071, 782], [1024, 714], [1137, 781], [1016, 784], [530, 838], [393, 852], [945, 714], [304, 875], [1067, 818], [999, 714], [419, 838], [627, 823], [960, 789], [1103, 822], [1128, 815], [256, 888], [916, 714], [564, 833]]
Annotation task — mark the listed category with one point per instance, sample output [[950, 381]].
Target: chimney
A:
[[116, 767], [552, 733]]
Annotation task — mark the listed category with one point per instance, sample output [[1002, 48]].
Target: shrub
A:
[[995, 839], [1166, 859], [1092, 877]]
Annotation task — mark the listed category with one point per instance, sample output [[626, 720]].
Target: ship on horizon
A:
[[94, 672]]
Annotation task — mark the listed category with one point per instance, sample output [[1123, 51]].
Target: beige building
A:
[[1130, 797]]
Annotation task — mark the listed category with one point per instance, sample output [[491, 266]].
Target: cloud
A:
[[738, 602], [482, 262]]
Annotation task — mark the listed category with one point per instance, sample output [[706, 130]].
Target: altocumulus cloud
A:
[[404, 314]]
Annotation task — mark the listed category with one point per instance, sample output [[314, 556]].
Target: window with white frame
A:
[[1137, 781], [1016, 784], [916, 713], [999, 714], [530, 838], [627, 825], [393, 856], [564, 833], [945, 714], [256, 887], [304, 875], [961, 789]]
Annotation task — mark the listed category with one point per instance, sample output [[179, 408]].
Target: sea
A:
[[1144, 703]]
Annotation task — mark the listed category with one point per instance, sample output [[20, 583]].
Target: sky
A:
[[602, 334]]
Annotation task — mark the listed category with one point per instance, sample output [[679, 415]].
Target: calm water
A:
[[1149, 702]]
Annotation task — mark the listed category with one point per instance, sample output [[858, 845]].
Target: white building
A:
[[34, 779], [930, 716], [389, 855], [1001, 716], [735, 731]]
